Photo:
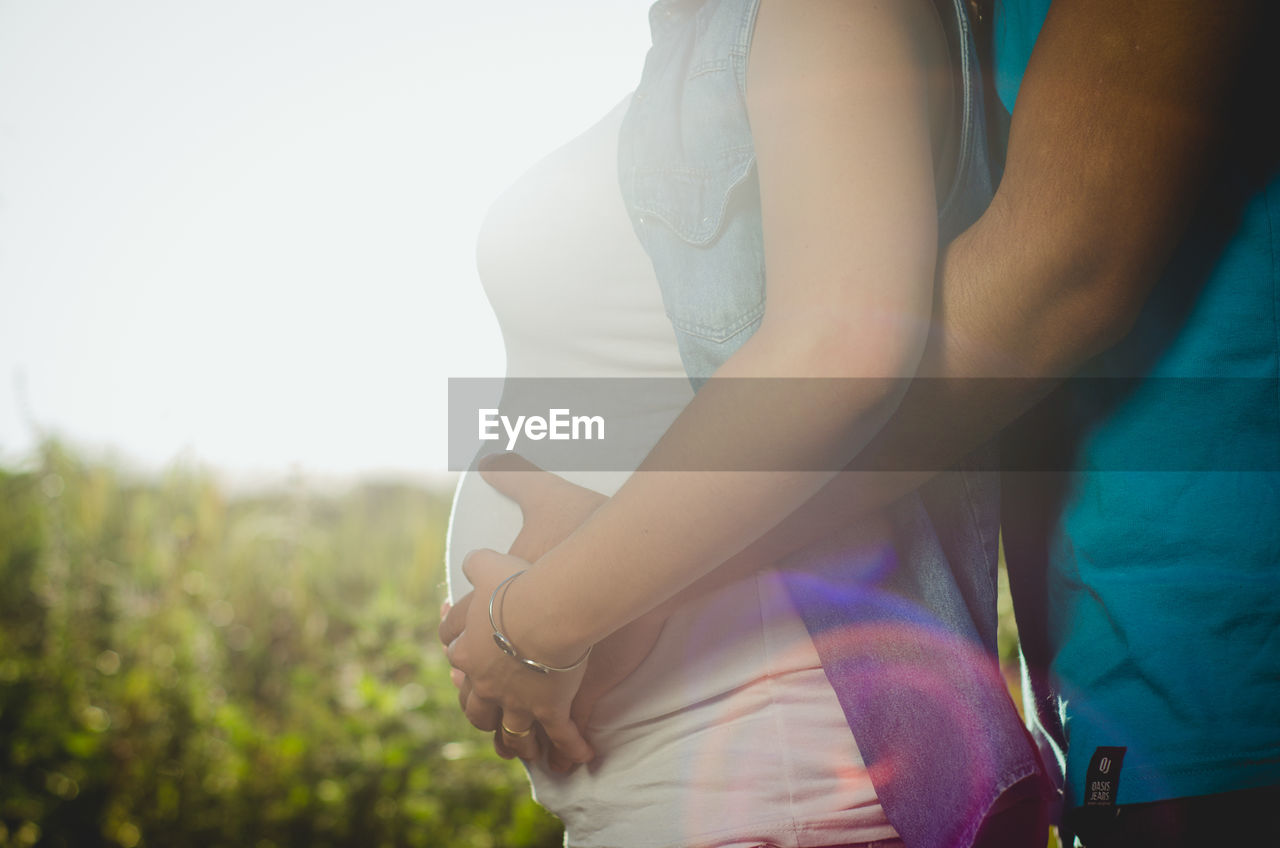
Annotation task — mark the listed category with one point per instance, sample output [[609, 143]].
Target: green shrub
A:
[[179, 667]]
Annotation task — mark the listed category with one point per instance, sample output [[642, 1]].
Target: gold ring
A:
[[516, 734]]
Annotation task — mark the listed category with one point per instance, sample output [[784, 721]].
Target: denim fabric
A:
[[687, 168], [908, 636]]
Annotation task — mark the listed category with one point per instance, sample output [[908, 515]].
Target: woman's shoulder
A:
[[843, 40]]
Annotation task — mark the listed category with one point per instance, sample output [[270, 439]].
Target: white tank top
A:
[[729, 733]]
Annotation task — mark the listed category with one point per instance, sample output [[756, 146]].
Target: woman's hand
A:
[[550, 505], [498, 691], [552, 508], [612, 661]]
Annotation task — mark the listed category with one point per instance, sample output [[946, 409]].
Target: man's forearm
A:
[[1120, 120]]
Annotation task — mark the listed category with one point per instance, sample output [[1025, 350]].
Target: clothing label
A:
[[1102, 780]]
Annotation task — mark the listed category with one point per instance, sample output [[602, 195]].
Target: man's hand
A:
[[552, 506]]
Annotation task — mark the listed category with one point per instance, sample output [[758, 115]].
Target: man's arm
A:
[[1118, 125]]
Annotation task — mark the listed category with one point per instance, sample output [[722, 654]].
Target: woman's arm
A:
[[839, 102]]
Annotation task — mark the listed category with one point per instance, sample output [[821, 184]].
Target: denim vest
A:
[[907, 638]]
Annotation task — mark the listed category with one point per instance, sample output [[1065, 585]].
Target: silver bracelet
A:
[[509, 649]]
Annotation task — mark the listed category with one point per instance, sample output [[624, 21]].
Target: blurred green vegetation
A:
[[179, 667]]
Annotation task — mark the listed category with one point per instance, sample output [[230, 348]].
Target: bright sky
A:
[[242, 231]]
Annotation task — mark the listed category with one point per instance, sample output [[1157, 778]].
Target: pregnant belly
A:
[[708, 647], [483, 517], [732, 672]]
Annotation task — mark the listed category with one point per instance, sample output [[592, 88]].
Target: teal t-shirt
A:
[[1164, 556]]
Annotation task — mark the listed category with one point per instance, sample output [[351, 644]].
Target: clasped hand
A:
[[499, 693], [528, 712]]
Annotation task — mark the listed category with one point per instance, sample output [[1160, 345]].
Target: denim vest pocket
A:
[[701, 213], [693, 201]]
